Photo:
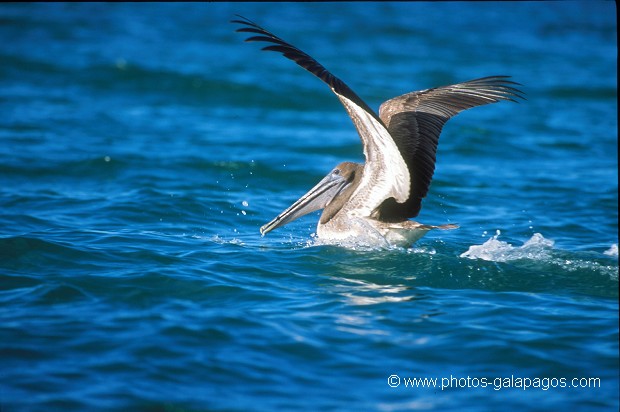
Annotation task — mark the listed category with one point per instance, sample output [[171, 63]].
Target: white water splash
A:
[[612, 251], [353, 244], [537, 247], [221, 241], [540, 249]]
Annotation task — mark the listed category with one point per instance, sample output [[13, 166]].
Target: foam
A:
[[612, 251], [537, 247]]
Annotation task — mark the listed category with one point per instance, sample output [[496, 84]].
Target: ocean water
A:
[[143, 145]]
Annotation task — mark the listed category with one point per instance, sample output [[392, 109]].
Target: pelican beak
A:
[[317, 198]]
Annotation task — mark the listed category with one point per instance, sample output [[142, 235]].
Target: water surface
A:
[[143, 146]]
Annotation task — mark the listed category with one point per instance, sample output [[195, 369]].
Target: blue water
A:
[[142, 147]]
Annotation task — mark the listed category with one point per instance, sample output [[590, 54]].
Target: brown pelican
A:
[[372, 203]]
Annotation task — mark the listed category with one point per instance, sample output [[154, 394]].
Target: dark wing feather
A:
[[385, 174], [415, 121], [302, 59]]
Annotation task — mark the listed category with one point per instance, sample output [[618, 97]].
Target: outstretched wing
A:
[[302, 59], [385, 173], [415, 120]]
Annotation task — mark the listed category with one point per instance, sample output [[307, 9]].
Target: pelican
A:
[[372, 203]]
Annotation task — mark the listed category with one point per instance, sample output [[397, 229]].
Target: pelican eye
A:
[[336, 171]]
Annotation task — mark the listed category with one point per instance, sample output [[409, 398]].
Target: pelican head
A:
[[331, 193]]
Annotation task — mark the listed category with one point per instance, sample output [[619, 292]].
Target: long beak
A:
[[317, 198]]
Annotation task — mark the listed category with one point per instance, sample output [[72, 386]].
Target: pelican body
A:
[[372, 203]]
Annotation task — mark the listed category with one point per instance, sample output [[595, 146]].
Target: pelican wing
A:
[[385, 172], [414, 120]]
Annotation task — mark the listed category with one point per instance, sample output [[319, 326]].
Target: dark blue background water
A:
[[142, 146]]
